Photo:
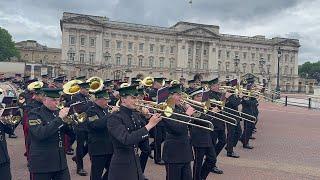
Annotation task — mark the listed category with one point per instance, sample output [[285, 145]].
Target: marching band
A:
[[112, 121]]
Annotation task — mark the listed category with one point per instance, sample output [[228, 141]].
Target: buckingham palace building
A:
[[98, 46]]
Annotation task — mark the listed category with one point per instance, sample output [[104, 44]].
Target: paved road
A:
[[286, 148]]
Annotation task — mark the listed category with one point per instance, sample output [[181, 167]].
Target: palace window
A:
[[141, 47], [227, 66], [228, 54], [119, 44], [71, 56], [171, 49], [107, 43], [171, 65], [219, 65], [252, 67], [292, 59], [140, 61], [253, 56], [130, 46], [107, 59], [72, 40], [189, 51], [129, 61], [162, 48], [151, 61], [151, 48], [91, 57], [161, 62], [81, 58], [205, 52], [82, 41], [244, 55], [118, 60], [269, 57], [205, 65], [244, 67], [219, 54], [92, 42]]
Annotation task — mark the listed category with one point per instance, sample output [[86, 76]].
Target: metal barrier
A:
[[307, 103]]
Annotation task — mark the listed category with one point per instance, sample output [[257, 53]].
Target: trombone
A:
[[206, 107], [168, 111], [219, 103]]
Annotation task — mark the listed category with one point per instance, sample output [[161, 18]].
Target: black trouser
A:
[[233, 135], [160, 135], [247, 132], [98, 164], [219, 140], [72, 139], [145, 152], [202, 169], [59, 175], [5, 172], [178, 171], [82, 147]]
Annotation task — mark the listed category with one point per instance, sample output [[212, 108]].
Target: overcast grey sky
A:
[[39, 19]]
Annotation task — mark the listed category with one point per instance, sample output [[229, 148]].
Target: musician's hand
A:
[[228, 94], [215, 109], [114, 109], [153, 121], [63, 112], [190, 111], [144, 111]]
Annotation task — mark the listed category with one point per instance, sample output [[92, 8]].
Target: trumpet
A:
[[10, 119], [168, 111], [75, 117]]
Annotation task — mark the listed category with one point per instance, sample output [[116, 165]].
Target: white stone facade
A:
[[95, 45]]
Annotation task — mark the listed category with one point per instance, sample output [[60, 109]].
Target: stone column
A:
[[182, 54], [213, 60]]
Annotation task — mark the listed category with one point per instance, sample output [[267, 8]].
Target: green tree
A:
[[7, 46], [310, 70]]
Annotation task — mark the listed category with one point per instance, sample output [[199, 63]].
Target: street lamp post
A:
[[278, 75], [262, 62], [236, 64]]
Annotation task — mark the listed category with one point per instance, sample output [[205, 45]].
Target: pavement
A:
[[286, 148]]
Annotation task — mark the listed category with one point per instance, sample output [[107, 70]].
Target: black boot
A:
[[216, 170], [233, 155]]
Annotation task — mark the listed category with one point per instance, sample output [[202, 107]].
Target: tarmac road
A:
[[286, 148]]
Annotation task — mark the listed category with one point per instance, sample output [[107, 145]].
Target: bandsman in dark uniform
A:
[[5, 128], [46, 125], [44, 79], [202, 144], [159, 130], [177, 150], [126, 135], [249, 105], [218, 135], [233, 132], [144, 144], [81, 130], [99, 141]]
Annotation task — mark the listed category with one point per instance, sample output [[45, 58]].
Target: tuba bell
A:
[[72, 87], [95, 83], [35, 85], [147, 81]]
